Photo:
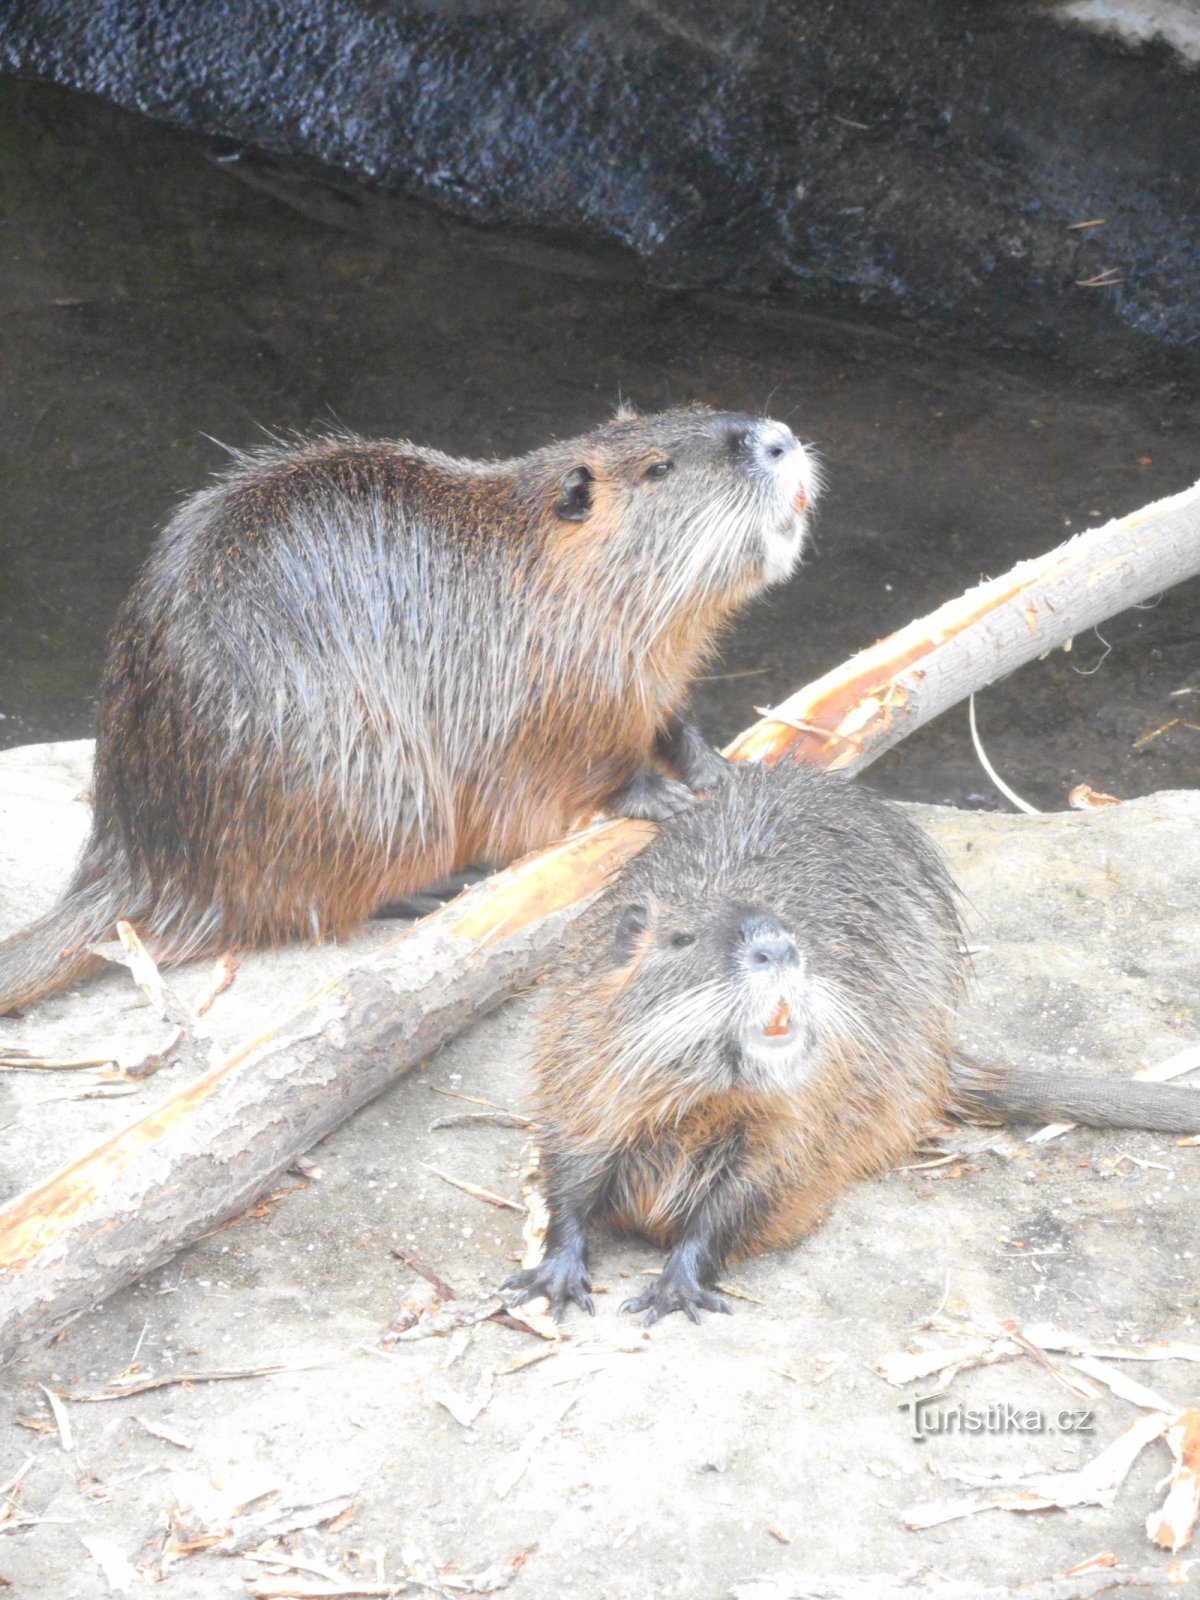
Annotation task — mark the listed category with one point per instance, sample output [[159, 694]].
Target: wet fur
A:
[[654, 1118], [351, 667], [653, 1128]]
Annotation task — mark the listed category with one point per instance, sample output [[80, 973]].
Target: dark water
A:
[[158, 293]]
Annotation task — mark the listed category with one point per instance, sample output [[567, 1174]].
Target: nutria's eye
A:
[[680, 941], [658, 469]]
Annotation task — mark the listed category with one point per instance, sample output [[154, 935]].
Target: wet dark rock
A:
[[928, 156]]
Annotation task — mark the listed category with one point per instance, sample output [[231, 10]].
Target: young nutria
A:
[[760, 1010], [351, 667]]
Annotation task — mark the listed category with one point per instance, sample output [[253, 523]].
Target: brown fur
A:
[[665, 1110], [353, 667]]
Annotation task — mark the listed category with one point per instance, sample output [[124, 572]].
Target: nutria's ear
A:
[[575, 494], [631, 925]]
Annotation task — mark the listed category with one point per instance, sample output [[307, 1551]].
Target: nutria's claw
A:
[[558, 1279], [670, 1293]]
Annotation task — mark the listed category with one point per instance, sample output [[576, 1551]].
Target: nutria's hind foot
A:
[[561, 1279], [649, 797], [675, 1289]]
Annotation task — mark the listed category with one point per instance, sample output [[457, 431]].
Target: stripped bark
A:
[[848, 718], [210, 1149], [205, 1153]]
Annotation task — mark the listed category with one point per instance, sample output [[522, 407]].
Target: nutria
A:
[[760, 1010], [350, 667]]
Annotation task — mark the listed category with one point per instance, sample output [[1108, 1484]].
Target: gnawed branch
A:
[[208, 1150], [848, 718]]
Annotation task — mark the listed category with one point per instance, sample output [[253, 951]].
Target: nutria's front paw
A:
[[671, 1291], [561, 1279], [649, 797], [705, 768]]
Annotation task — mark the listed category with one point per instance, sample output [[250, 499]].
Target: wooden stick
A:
[[207, 1151], [852, 715], [210, 1149]]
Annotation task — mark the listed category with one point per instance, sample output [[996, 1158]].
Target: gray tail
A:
[[54, 949], [1055, 1097]]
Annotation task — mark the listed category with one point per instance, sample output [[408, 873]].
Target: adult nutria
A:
[[760, 1010], [350, 667]]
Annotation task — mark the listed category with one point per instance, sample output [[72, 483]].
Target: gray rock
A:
[[929, 158]]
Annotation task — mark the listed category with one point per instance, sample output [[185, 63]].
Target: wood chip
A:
[[1051, 1338], [471, 1099], [246, 1532], [13, 1059], [1171, 1525], [10, 1490], [443, 1288], [934, 1161], [144, 971], [973, 1346], [477, 1191], [1031, 1348], [437, 1320], [1173, 1067], [905, 1366], [519, 1363], [1095, 1484], [223, 974], [466, 1410], [122, 1391], [1084, 798], [738, 1294], [161, 1431], [1155, 733], [537, 1212], [61, 1418], [471, 1119], [119, 1572], [292, 1563], [1127, 1388]]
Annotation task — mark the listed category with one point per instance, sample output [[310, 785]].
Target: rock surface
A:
[[674, 1462], [932, 158]]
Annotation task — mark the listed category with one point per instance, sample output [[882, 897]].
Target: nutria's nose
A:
[[773, 441], [764, 442], [767, 943]]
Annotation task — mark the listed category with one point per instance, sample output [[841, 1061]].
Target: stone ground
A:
[[617, 1462]]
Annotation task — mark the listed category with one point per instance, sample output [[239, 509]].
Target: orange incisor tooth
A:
[[779, 1021]]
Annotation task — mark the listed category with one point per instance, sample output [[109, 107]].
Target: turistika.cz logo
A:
[[927, 1418]]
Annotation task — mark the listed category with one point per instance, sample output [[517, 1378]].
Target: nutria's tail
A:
[[54, 949], [1057, 1097]]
